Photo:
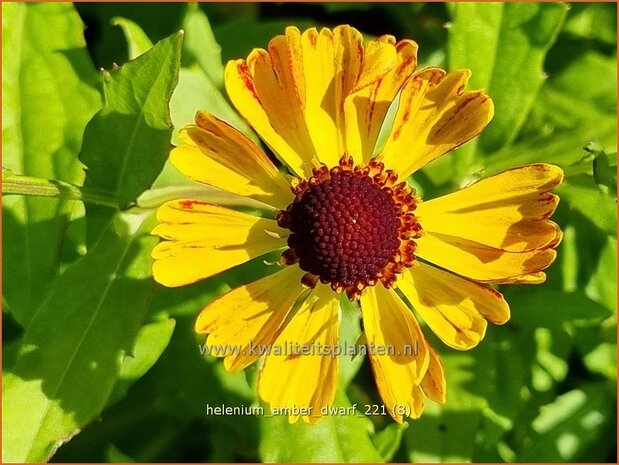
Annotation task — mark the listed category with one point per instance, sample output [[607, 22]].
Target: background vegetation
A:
[[95, 351]]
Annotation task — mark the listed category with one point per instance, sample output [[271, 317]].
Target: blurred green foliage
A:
[[91, 345]]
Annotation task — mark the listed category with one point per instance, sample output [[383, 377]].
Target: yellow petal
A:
[[279, 82], [321, 109], [365, 110], [507, 211], [219, 155], [532, 278], [481, 262], [378, 58], [243, 323], [433, 384], [414, 410], [453, 307], [303, 374], [392, 334], [244, 95], [205, 239], [434, 117], [293, 95]]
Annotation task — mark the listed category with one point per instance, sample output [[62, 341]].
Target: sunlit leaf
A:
[[581, 194], [343, 437], [554, 132], [138, 42], [49, 92], [504, 45], [200, 45], [127, 142], [603, 360], [165, 412], [196, 92], [586, 258], [71, 353], [388, 440], [350, 332]]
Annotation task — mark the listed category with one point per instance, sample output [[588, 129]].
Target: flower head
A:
[[346, 220]]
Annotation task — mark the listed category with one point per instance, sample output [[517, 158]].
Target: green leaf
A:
[[548, 307], [49, 92], [593, 21], [72, 351], [235, 45], [581, 194], [565, 427], [137, 41], [203, 382], [549, 367], [149, 344], [604, 177], [196, 92], [200, 85], [350, 332], [602, 287], [480, 405], [387, 441], [554, 132], [163, 417], [446, 434], [127, 142], [575, 80], [107, 44], [336, 438], [200, 45], [587, 259], [113, 455], [603, 360], [504, 45], [136, 428]]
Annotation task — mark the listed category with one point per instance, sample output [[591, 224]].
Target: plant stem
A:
[[28, 185]]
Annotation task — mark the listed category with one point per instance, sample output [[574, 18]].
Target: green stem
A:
[[28, 185]]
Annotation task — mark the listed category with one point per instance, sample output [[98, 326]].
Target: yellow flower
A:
[[347, 221]]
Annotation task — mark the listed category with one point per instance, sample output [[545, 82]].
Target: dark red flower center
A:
[[350, 227], [344, 229]]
